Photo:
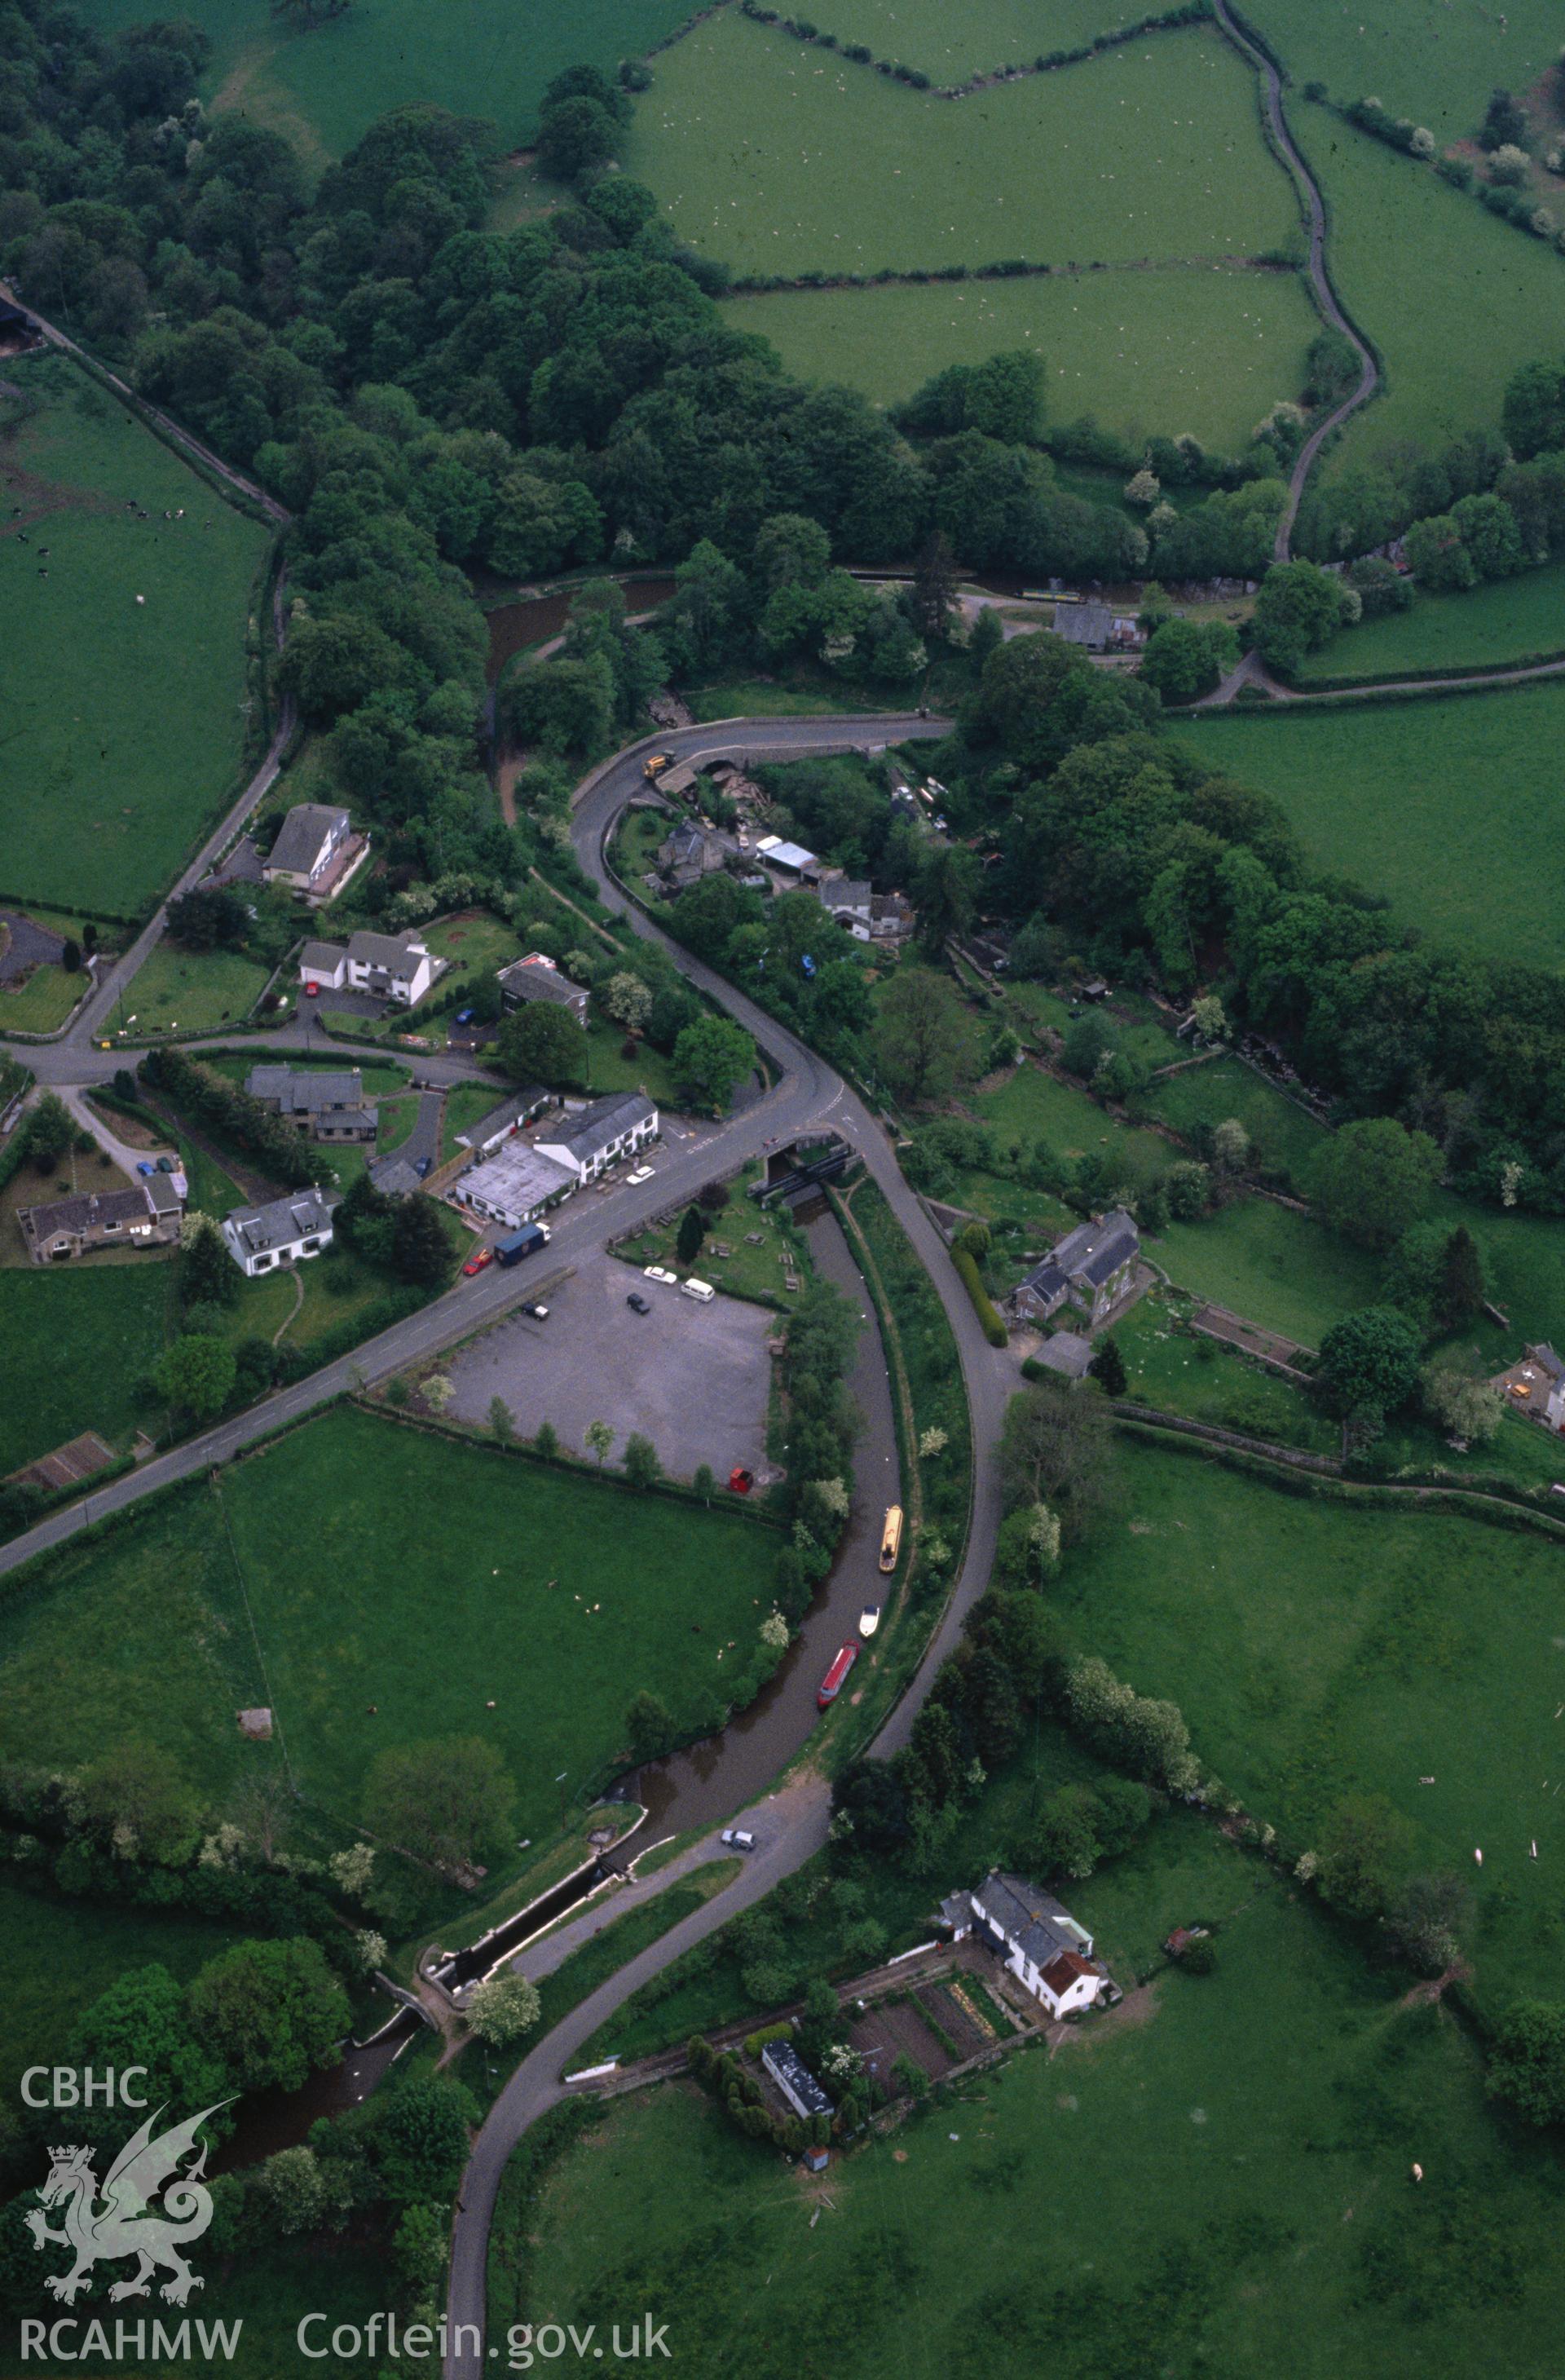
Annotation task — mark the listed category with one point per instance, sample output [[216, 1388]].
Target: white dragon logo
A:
[[121, 2225]]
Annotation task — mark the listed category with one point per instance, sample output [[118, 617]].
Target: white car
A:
[[642, 1174], [661, 1272], [738, 1839]]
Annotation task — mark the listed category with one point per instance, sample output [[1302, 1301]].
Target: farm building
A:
[[1089, 1269], [394, 967], [788, 859], [517, 1109], [327, 1105], [1039, 1940], [285, 1231], [144, 1217], [595, 1137], [516, 1186], [794, 2080], [537, 977], [316, 851]]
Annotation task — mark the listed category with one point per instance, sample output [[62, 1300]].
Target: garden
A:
[[115, 770]]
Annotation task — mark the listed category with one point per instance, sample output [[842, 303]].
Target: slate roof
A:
[[396, 1176], [1083, 624], [785, 2062], [585, 1132], [88, 1210], [1066, 1353], [306, 1092], [530, 978], [302, 833], [1041, 1926], [325, 956], [511, 1111], [1091, 1253], [282, 1220], [398, 953], [846, 893]]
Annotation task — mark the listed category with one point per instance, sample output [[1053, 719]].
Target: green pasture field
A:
[[948, 44], [1215, 2180], [194, 990], [1209, 349], [1425, 60], [1399, 232], [1275, 1268], [1320, 1648], [1508, 620], [77, 1339], [1282, 1135], [65, 1953], [419, 1540], [44, 1002], [126, 731], [779, 157], [324, 87], [1447, 805]]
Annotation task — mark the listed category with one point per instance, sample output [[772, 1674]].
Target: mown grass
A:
[[1239, 2197], [1508, 620], [779, 157], [196, 990], [1320, 1648], [1212, 349], [125, 719], [325, 85], [1398, 232], [1448, 806], [44, 1002], [77, 1339]]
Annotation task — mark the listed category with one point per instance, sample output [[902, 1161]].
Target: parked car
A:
[[312, 992], [146, 1166], [642, 1174], [738, 1839], [477, 1261], [661, 1272], [538, 1311], [421, 1166], [636, 1303], [741, 1481], [465, 1015], [166, 1165]]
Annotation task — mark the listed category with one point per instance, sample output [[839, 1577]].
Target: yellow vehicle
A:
[[891, 1537], [653, 766]]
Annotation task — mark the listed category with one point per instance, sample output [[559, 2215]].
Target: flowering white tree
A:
[[504, 2008], [931, 1442], [774, 1631]]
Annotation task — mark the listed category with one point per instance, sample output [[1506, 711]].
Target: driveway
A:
[[693, 1378]]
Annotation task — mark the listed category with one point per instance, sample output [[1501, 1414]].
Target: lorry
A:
[[518, 1245]]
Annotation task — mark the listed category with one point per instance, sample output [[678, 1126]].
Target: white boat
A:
[[869, 1620]]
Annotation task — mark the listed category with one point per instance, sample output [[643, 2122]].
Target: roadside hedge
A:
[[972, 1281]]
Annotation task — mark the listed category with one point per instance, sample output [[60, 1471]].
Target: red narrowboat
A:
[[831, 1683]]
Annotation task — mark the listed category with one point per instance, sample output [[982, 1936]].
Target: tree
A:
[[1230, 1146], [446, 1799], [704, 1482], [1107, 1368], [627, 1000], [1056, 1449], [710, 1056], [923, 1038], [421, 1251], [1424, 1922], [692, 1231], [418, 2138], [1460, 1294], [1527, 2063], [1369, 1362], [574, 135], [1504, 125], [502, 1421], [196, 1375], [209, 919], [1298, 609], [504, 2008], [49, 1132], [1371, 1179], [642, 1467], [70, 955], [136, 1799], [598, 1437], [649, 1725], [1469, 1408], [1185, 658], [144, 2019], [296, 2193], [945, 894], [541, 1043], [934, 589], [547, 1442], [1364, 1845], [270, 2011], [208, 1275]]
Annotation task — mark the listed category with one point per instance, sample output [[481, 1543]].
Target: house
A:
[[1089, 1269], [1091, 625], [537, 977], [691, 852], [1039, 1940], [793, 2079], [516, 1186], [790, 858], [329, 1105], [394, 967], [144, 1217], [283, 1233], [520, 1107], [316, 851], [1536, 1386], [597, 1136], [868, 916]]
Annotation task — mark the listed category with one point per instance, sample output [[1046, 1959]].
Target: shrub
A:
[[994, 1328]]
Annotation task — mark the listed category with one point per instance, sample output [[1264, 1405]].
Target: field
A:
[[1509, 620], [1397, 232], [766, 156], [77, 1340], [1281, 1135], [1445, 806], [193, 990], [949, 45], [1429, 59], [125, 720], [1274, 1267], [1222, 2187], [1321, 1648], [1209, 349], [324, 87]]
